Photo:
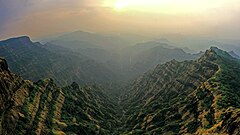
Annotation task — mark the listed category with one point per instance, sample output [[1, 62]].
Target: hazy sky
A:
[[38, 18]]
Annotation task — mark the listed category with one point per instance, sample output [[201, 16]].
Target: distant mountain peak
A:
[[84, 32], [19, 38], [24, 39]]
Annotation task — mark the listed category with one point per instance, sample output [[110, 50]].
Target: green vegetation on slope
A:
[[87, 111], [190, 97], [43, 108], [186, 97]]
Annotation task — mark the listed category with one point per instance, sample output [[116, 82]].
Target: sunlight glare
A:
[[166, 6], [120, 5]]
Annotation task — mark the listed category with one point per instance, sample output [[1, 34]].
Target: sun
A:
[[120, 5]]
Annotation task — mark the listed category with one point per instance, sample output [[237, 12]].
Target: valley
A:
[[186, 94], [119, 67]]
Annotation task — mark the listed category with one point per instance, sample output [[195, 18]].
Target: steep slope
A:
[[199, 97], [88, 111], [43, 108], [35, 61]]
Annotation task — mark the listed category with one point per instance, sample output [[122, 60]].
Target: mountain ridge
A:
[[190, 103], [189, 97], [23, 38], [42, 107], [26, 58], [82, 63]]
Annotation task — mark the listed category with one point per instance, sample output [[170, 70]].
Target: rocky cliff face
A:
[[44, 108]]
